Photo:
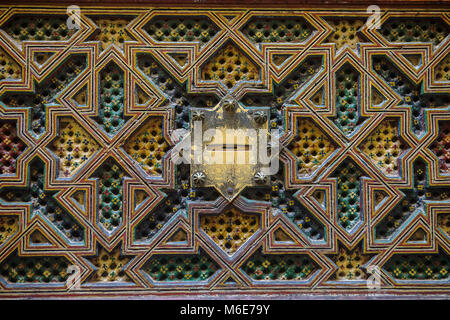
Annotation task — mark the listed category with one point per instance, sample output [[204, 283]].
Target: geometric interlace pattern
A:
[[91, 204]]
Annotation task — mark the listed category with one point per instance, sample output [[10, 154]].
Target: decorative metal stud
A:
[[198, 115], [199, 177], [260, 177], [229, 105], [260, 117]]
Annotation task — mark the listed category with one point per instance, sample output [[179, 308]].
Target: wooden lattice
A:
[[92, 204]]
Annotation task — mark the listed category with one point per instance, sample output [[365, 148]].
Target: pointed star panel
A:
[[92, 112]]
